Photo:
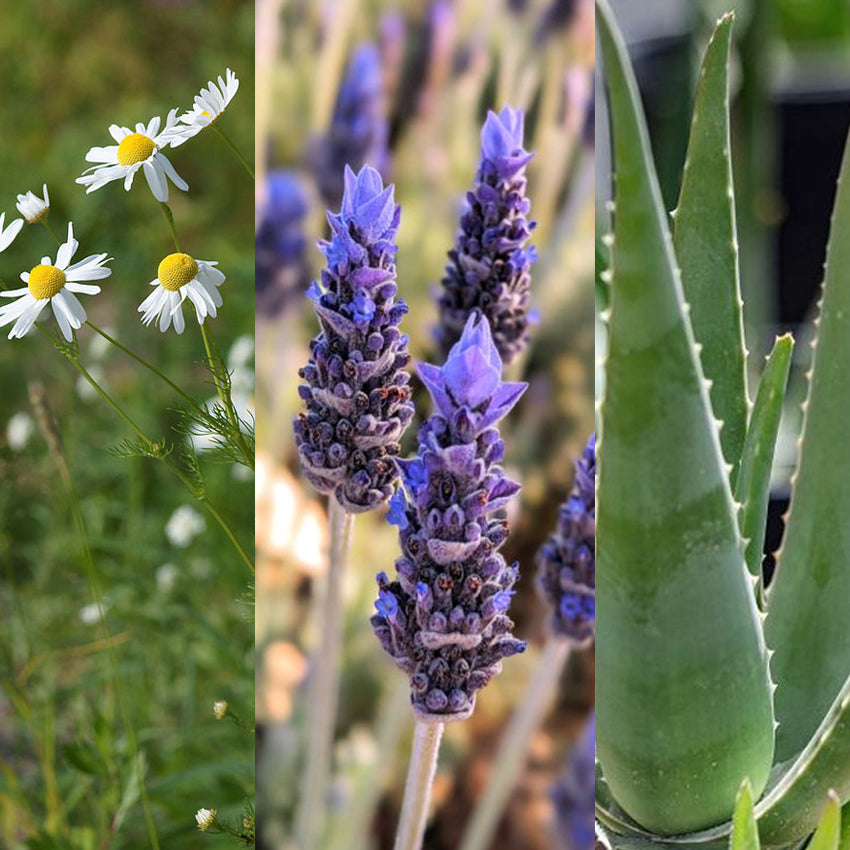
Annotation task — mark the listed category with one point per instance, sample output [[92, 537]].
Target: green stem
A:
[[150, 444], [113, 663], [216, 362], [417, 790], [324, 683], [169, 217], [147, 366], [513, 750], [51, 231], [224, 137]]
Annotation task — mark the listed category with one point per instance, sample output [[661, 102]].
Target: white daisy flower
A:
[[19, 429], [56, 284], [135, 150], [33, 208], [179, 277], [184, 526], [209, 105], [7, 236], [205, 818]]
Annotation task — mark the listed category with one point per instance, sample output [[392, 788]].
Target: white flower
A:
[[90, 614], [166, 575], [220, 709], [179, 277], [135, 150], [18, 431], [33, 208], [185, 524], [205, 818], [55, 284], [209, 105], [7, 236]]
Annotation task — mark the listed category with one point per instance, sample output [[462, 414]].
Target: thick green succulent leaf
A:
[[794, 806], [808, 624], [828, 833], [706, 243], [683, 692], [745, 835], [752, 488]]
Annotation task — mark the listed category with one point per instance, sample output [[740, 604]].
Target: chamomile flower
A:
[[205, 818], [7, 235], [135, 150], [55, 284], [33, 208], [209, 105], [180, 277]]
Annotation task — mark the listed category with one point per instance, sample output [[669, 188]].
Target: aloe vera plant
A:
[[710, 688]]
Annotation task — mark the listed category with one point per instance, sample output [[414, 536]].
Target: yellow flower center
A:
[[135, 148], [45, 281], [176, 270]]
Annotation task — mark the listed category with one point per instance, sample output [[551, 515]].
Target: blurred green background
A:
[[182, 616]]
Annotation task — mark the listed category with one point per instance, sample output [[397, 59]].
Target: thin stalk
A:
[[324, 683], [513, 751], [169, 217], [94, 585], [226, 139], [417, 790], [169, 463], [147, 366], [215, 360], [51, 231]]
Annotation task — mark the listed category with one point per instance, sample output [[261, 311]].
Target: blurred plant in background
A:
[[434, 70], [125, 610]]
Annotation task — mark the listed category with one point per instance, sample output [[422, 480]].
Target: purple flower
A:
[[567, 561], [358, 132], [453, 587], [355, 387], [488, 268], [281, 264], [574, 794]]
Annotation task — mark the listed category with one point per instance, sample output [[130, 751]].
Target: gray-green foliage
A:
[[709, 690]]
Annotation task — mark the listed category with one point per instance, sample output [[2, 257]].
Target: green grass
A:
[[65, 769]]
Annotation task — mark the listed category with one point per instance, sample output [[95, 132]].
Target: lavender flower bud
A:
[[358, 132], [355, 387], [574, 794], [489, 267], [444, 619], [280, 260], [567, 561]]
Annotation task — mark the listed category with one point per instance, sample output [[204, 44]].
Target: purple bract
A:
[[489, 267], [355, 387], [444, 619], [567, 561]]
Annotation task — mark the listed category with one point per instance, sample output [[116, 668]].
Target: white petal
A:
[[10, 312], [128, 179], [109, 154], [71, 301], [168, 169], [90, 268], [84, 288], [119, 133], [14, 293], [8, 235], [156, 180], [62, 317], [179, 321], [67, 249], [208, 273], [202, 307], [27, 320]]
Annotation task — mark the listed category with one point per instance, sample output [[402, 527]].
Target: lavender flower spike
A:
[[567, 561], [359, 132], [355, 387], [489, 267], [444, 619]]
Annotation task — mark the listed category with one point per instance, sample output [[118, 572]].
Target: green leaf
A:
[[752, 489], [683, 693], [844, 840], [744, 833], [793, 807], [85, 758], [828, 833], [807, 622], [706, 244]]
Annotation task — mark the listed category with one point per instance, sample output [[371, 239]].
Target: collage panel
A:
[[723, 301], [425, 462], [126, 424]]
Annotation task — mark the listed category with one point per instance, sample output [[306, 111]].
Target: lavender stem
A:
[[514, 747], [324, 685], [417, 790]]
